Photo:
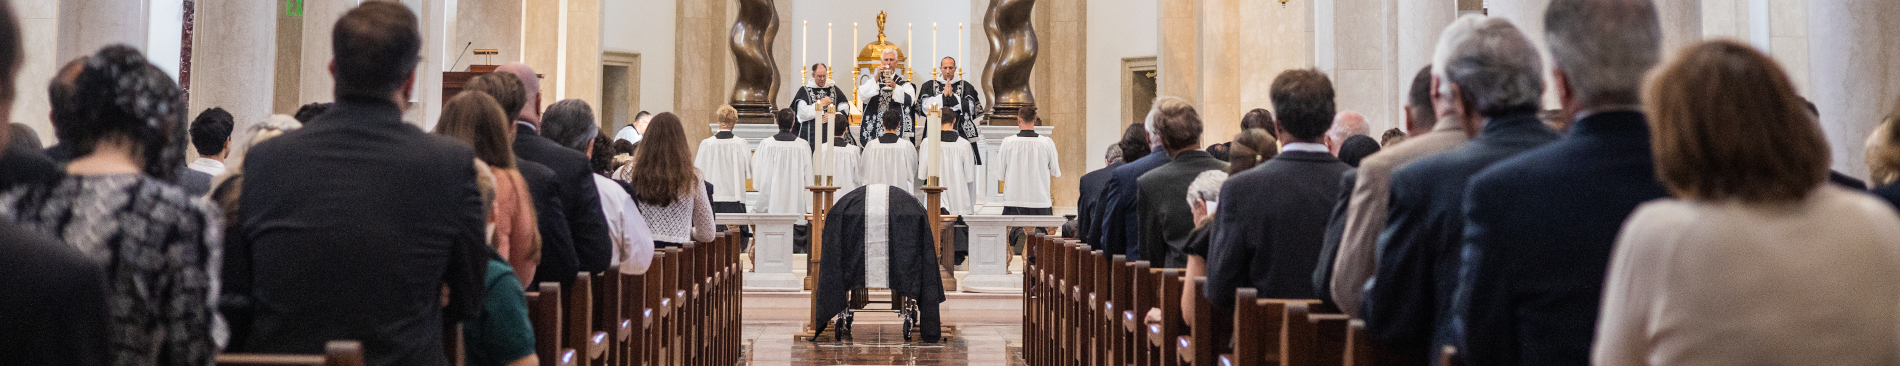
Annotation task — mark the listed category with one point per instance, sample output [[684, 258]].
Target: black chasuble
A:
[[805, 105], [912, 258], [965, 103]]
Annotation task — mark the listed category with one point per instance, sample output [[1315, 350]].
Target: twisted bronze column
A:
[[1012, 54], [757, 86]]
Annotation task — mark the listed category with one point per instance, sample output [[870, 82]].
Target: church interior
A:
[[1011, 287]]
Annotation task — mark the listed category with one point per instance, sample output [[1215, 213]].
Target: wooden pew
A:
[[1083, 286], [1032, 286], [633, 307], [1209, 333], [1112, 333], [1313, 339], [609, 316], [1258, 327], [1162, 336], [335, 353], [544, 313], [579, 320], [1143, 285]]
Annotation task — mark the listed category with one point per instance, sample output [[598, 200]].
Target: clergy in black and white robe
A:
[[903, 98], [806, 104], [963, 101], [878, 236]]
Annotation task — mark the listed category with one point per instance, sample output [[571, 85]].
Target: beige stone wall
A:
[[1222, 55], [87, 25], [232, 56], [540, 44], [703, 64], [39, 28], [1060, 88], [1853, 77], [314, 83], [580, 74], [489, 24]]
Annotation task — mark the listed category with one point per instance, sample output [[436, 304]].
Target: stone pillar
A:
[[87, 25], [580, 73], [39, 31], [234, 60], [1854, 80], [1417, 29], [1788, 39], [1178, 65], [315, 84], [1062, 34], [1362, 75], [701, 63], [286, 94], [1681, 24], [540, 45]]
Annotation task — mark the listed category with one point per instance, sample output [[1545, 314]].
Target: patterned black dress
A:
[[160, 248]]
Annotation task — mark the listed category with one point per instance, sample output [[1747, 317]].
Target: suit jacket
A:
[[1407, 304], [1166, 218], [1335, 231], [1539, 237], [580, 200], [1272, 222], [1366, 213], [1844, 180], [1890, 192], [558, 261], [355, 222], [1120, 224], [54, 311], [1087, 204]]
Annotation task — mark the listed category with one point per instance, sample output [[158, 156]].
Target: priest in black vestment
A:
[[811, 100], [852, 253], [962, 99]]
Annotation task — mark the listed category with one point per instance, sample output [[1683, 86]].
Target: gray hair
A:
[[1114, 154], [1604, 47], [1498, 69], [570, 123], [1206, 187], [249, 136]]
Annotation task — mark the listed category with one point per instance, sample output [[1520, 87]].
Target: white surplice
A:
[[844, 160], [1024, 164], [892, 163], [957, 175], [780, 171], [727, 164]]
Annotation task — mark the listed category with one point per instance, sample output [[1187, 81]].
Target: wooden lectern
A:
[[453, 81]]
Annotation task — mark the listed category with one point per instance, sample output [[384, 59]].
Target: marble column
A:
[[1528, 16], [702, 63], [540, 45], [1788, 38], [315, 83], [1362, 75], [1681, 24], [1854, 79], [87, 25], [1062, 35], [1419, 23], [1178, 66], [233, 61], [580, 73], [39, 31]]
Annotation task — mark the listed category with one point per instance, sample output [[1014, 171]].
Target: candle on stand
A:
[[933, 48], [910, 40], [804, 51], [854, 43], [960, 56]]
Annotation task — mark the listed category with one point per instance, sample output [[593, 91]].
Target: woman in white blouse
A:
[[1757, 261]]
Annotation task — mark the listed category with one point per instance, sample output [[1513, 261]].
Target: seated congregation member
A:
[[127, 133], [59, 96], [1203, 197], [623, 217], [1091, 185], [1119, 223], [845, 155], [571, 123], [782, 168], [1356, 149], [1346, 124], [1529, 282], [359, 221], [1251, 147], [1024, 163], [557, 260], [501, 335], [1430, 117], [1496, 72], [310, 111], [234, 301], [55, 310], [1166, 218], [1883, 158], [211, 136], [1258, 118], [1093, 207], [889, 159], [476, 119], [1272, 219], [668, 191], [726, 161], [580, 197], [1756, 260]]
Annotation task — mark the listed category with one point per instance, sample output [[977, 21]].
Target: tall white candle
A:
[[961, 58], [804, 51], [854, 43], [933, 46], [910, 40]]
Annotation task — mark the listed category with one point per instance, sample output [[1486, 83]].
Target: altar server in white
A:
[[725, 161], [781, 169], [844, 156], [956, 169], [889, 158], [1024, 163]]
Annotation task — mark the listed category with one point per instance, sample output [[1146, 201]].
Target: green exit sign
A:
[[293, 8]]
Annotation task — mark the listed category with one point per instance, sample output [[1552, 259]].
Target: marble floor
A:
[[982, 338]]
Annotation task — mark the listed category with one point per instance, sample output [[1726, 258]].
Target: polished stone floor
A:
[[987, 338]]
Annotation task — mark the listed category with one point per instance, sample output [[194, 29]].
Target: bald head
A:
[[1346, 124], [531, 83]]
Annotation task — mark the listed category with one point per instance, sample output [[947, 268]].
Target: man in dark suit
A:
[[1540, 227], [1090, 207], [358, 220], [1161, 197], [580, 200], [558, 259], [1120, 224], [1335, 232], [1497, 76], [1272, 218]]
